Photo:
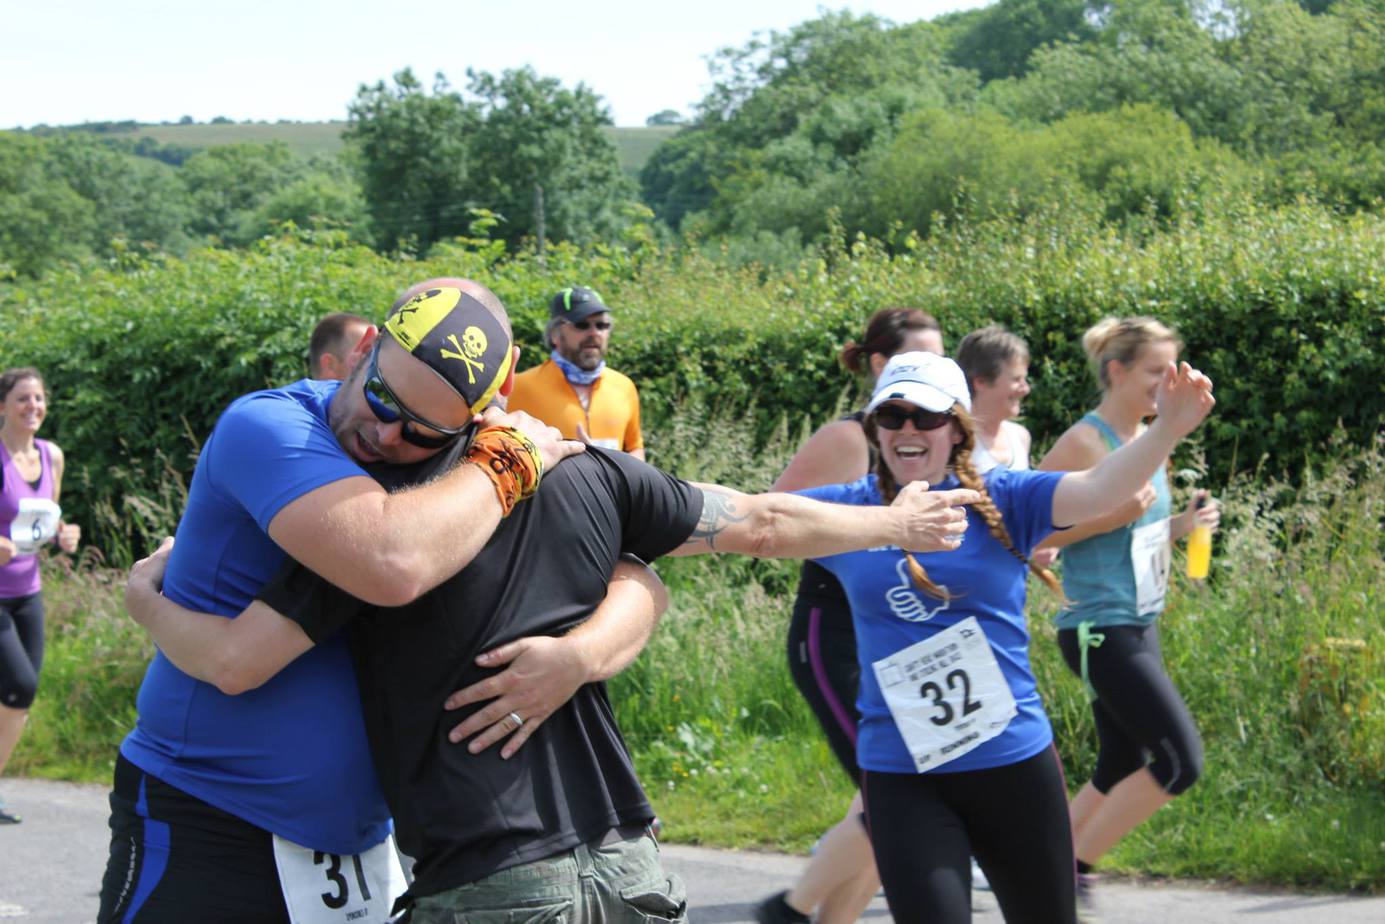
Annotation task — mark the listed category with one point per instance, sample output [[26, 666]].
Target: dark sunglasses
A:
[[389, 409], [588, 325], [892, 417]]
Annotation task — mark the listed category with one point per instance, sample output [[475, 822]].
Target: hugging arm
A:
[[233, 655], [544, 672], [241, 653]]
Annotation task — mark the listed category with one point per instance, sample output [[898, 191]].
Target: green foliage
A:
[[535, 133], [996, 41], [426, 160], [410, 147], [1283, 308], [798, 109], [1134, 161], [230, 182], [42, 219]]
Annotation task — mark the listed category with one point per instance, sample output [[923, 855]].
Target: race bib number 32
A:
[[946, 694]]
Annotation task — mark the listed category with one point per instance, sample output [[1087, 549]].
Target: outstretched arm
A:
[[789, 526], [1184, 401], [544, 672], [232, 654]]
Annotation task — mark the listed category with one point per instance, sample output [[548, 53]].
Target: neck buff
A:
[[575, 374]]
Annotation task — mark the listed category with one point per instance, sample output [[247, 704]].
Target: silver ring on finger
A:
[[519, 723]]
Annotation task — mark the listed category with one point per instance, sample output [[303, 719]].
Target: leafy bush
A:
[[1283, 308]]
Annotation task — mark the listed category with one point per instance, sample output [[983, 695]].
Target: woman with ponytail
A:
[[955, 750], [1115, 571], [840, 880]]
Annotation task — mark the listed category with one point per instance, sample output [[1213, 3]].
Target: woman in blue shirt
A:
[[840, 882], [1115, 571], [955, 750]]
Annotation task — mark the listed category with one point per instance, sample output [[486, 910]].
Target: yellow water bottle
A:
[[1199, 545]]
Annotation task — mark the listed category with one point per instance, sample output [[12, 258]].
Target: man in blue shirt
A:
[[222, 803]]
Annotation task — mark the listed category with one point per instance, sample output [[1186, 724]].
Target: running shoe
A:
[[8, 816], [978, 878], [1086, 898], [775, 910]]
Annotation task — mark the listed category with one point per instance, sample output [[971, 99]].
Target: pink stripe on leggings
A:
[[839, 711]]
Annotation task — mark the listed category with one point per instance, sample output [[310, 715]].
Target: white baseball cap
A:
[[927, 380]]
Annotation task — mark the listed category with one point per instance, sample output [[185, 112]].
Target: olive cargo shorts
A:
[[620, 882]]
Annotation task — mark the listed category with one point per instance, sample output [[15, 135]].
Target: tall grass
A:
[[1280, 655]]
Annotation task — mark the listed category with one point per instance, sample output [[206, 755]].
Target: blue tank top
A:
[[1098, 574]]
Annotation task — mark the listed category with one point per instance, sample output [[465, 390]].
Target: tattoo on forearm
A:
[[718, 513]]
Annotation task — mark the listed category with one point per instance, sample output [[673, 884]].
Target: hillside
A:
[[633, 144]]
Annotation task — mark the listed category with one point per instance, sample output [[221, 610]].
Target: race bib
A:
[[35, 524], [605, 443], [329, 888], [946, 694], [1150, 557]]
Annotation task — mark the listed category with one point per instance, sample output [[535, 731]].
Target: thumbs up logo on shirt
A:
[[907, 602]]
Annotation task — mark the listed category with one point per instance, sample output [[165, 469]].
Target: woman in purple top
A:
[[31, 472]]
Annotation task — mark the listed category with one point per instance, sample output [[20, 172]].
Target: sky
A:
[[69, 61]]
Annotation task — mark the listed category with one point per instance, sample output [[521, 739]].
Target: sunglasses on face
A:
[[389, 409], [892, 417], [588, 325]]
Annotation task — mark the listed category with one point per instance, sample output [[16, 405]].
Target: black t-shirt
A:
[[462, 816]]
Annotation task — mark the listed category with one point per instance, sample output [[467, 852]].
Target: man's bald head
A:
[[460, 330], [469, 287]]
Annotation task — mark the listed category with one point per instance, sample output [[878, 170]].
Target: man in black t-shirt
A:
[[566, 812]]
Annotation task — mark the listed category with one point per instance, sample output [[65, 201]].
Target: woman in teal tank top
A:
[[1115, 573]]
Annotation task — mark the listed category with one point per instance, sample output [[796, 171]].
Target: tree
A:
[[666, 117], [537, 133], [228, 182], [997, 41], [780, 135], [42, 219], [426, 160], [411, 151]]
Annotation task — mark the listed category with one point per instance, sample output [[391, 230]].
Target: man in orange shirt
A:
[[573, 389]]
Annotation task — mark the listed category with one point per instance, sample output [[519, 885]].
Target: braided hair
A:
[[959, 462]]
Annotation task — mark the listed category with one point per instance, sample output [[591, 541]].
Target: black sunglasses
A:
[[388, 409], [588, 325], [892, 417]]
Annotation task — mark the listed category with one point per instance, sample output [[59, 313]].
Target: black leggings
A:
[[21, 649], [1140, 718], [1013, 819], [822, 661]]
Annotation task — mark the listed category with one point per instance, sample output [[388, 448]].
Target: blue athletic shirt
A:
[[985, 581], [291, 756]]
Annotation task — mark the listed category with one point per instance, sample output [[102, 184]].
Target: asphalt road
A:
[[51, 866]]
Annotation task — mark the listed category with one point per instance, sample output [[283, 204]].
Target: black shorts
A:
[[175, 859], [822, 661], [21, 649], [1141, 720]]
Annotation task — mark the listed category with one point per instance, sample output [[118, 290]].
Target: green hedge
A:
[[1285, 309]]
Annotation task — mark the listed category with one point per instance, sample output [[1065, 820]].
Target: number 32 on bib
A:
[[946, 694]]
